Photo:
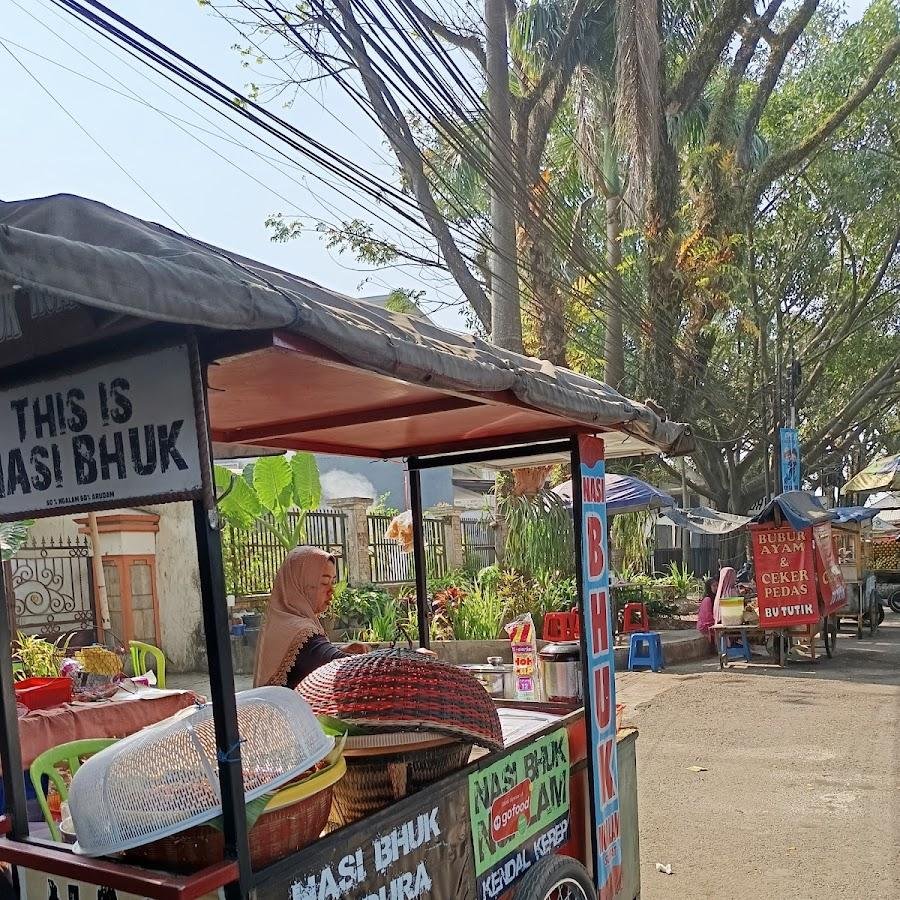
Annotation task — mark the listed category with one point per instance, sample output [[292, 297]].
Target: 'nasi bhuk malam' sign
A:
[[119, 431]]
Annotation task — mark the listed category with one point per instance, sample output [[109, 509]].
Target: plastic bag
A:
[[523, 643]]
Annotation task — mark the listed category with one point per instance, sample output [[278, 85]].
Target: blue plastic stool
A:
[[645, 651], [740, 651]]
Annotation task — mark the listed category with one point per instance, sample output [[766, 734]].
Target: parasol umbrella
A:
[[881, 475]]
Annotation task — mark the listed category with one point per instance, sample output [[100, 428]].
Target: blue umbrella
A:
[[624, 494]]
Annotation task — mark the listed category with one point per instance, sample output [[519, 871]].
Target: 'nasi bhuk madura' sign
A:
[[116, 432]]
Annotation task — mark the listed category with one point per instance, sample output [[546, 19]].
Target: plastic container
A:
[[731, 610], [44, 693]]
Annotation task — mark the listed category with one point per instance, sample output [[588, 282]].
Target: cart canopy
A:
[[883, 474], [853, 515], [800, 508], [74, 271]]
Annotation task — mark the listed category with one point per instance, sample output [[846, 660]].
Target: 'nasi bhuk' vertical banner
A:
[[599, 670]]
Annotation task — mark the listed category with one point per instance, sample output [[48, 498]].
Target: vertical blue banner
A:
[[599, 669], [790, 459]]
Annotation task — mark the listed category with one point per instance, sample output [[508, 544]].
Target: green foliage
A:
[[12, 537], [631, 536], [37, 657], [273, 493], [369, 613], [381, 507], [540, 537], [681, 580]]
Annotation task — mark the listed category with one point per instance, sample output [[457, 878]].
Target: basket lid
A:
[[164, 779], [400, 690]]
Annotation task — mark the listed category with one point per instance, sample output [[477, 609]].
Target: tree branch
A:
[[779, 165], [400, 137], [467, 42], [706, 54], [772, 73]]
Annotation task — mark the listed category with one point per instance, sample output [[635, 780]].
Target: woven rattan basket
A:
[[399, 690], [376, 780]]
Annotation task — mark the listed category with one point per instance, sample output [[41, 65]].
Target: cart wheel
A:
[[556, 878], [859, 629], [829, 634], [879, 614], [894, 601]]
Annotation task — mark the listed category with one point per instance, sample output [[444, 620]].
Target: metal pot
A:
[[498, 678], [561, 671]]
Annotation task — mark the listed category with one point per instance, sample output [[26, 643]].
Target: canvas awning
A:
[[881, 475], [703, 520], [298, 366]]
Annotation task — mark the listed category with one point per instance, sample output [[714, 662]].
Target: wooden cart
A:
[[852, 533]]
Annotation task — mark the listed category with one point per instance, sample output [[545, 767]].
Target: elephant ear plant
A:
[[273, 493]]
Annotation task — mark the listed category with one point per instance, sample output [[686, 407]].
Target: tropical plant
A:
[[12, 536], [273, 493], [37, 657], [540, 536], [630, 537], [681, 579]]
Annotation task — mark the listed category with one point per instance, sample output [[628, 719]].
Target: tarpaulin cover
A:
[[624, 494], [800, 508], [881, 475], [703, 520], [66, 249], [850, 515]]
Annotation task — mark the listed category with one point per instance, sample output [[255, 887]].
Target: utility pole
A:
[[506, 314]]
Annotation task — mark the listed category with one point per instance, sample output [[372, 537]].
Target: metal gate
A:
[[51, 583]]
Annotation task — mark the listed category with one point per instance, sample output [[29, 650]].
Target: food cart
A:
[[799, 584], [852, 532], [129, 356]]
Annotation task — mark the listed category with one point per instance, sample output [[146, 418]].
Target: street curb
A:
[[674, 652]]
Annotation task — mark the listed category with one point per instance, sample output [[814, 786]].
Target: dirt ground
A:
[[802, 794]]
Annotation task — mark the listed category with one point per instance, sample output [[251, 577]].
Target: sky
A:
[[65, 133]]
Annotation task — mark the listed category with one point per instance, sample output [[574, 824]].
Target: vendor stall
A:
[[799, 585], [127, 352], [852, 535]]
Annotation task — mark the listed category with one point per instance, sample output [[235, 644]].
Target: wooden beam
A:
[[251, 433]]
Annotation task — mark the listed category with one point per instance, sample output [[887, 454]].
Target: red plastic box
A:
[[43, 693]]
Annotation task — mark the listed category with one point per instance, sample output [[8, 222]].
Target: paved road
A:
[[802, 794]]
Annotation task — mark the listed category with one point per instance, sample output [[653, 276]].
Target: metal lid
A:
[[563, 651]]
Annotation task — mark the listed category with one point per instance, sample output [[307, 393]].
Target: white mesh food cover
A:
[[164, 779]]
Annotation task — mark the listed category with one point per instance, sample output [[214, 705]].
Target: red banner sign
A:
[[785, 575], [831, 579], [507, 809]]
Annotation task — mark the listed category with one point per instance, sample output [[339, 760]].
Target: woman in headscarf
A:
[[293, 642]]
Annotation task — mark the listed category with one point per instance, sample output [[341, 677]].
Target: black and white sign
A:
[[115, 433]]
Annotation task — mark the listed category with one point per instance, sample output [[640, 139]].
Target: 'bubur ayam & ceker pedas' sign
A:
[[117, 432]]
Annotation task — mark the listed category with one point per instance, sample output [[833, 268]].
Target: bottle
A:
[[54, 802]]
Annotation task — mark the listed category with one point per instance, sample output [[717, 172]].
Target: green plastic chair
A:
[[48, 765], [140, 653]]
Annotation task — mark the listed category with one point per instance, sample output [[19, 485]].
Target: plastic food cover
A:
[[164, 779]]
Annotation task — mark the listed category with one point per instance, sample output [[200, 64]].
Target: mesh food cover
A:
[[164, 779], [399, 690]]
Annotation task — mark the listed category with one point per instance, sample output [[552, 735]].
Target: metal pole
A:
[[685, 534], [10, 749], [214, 606], [506, 314], [419, 560]]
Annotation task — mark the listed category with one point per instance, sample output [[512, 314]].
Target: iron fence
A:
[[390, 565], [52, 587], [252, 558], [479, 548]]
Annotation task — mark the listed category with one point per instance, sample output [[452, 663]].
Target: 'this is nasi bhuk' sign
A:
[[114, 433]]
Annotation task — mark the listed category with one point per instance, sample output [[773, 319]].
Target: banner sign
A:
[[831, 579], [418, 848], [785, 575], [105, 436], [790, 459], [599, 669], [519, 809]]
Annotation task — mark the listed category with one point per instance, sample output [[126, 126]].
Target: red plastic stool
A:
[[562, 626], [632, 623]]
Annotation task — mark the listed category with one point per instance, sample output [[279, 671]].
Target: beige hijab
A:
[[291, 619]]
